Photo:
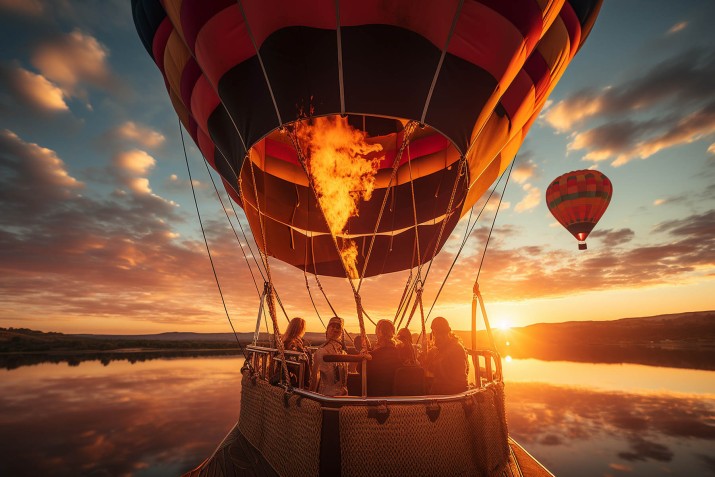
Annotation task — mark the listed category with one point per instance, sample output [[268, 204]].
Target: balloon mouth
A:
[[422, 167], [582, 245]]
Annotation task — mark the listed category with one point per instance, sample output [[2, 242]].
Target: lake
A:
[[162, 417]]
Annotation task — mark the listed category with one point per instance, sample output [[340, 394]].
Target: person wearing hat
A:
[[330, 378], [447, 360]]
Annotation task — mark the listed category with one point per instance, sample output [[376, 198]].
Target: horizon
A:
[[99, 232], [479, 329]]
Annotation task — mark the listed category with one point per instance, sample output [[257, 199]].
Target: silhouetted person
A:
[[406, 347], [385, 360], [447, 361]]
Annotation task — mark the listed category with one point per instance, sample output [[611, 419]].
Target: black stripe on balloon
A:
[[462, 91], [223, 135], [584, 9], [387, 70], [148, 15], [244, 93], [302, 66]]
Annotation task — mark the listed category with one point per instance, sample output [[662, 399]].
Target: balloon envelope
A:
[[578, 199], [475, 73]]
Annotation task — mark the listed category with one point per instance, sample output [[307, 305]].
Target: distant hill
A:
[[681, 340], [684, 340]]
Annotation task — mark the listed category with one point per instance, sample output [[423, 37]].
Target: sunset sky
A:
[[99, 233]]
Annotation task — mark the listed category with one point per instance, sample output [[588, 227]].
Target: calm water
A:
[[163, 417]]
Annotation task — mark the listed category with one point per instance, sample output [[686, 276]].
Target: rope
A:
[[271, 293], [468, 232], [248, 244], [477, 296], [407, 134], [484, 254], [206, 243], [223, 207], [307, 286], [356, 294]]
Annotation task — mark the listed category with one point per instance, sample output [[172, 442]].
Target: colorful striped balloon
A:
[[578, 199]]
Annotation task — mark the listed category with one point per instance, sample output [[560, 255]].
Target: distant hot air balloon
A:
[[578, 199]]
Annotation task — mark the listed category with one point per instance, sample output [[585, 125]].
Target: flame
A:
[[342, 165]]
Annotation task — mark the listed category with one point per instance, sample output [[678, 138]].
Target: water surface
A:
[[163, 417]]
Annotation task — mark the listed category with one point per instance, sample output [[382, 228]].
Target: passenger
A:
[[293, 336], [355, 369], [406, 347], [293, 341], [357, 343], [385, 361], [447, 361], [330, 378]]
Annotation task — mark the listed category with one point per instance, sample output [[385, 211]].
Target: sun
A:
[[503, 324]]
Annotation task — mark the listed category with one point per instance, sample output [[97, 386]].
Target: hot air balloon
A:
[[578, 199], [473, 74], [420, 105]]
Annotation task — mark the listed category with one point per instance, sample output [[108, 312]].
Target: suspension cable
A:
[[484, 254], [206, 243], [468, 232], [407, 135], [269, 282], [223, 207]]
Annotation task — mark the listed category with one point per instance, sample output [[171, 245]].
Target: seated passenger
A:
[[447, 361], [293, 336], [330, 378], [385, 360], [293, 341], [406, 348]]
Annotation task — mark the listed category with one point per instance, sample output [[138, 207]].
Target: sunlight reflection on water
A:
[[164, 416]]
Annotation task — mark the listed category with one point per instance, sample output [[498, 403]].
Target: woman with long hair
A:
[[293, 336]]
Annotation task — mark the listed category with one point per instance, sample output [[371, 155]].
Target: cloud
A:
[[23, 7], [677, 251], [143, 136], [613, 238], [32, 177], [680, 26], [567, 113], [33, 90], [73, 60], [134, 162], [669, 105], [531, 200], [56, 241], [524, 170]]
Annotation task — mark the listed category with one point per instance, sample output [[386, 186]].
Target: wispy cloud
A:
[[73, 61], [23, 7], [669, 105], [680, 26], [141, 135], [531, 200], [32, 90]]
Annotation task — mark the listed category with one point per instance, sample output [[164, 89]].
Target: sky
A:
[[99, 232]]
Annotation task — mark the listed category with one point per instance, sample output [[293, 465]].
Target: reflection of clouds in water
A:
[[644, 450], [709, 462], [166, 418], [551, 416]]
